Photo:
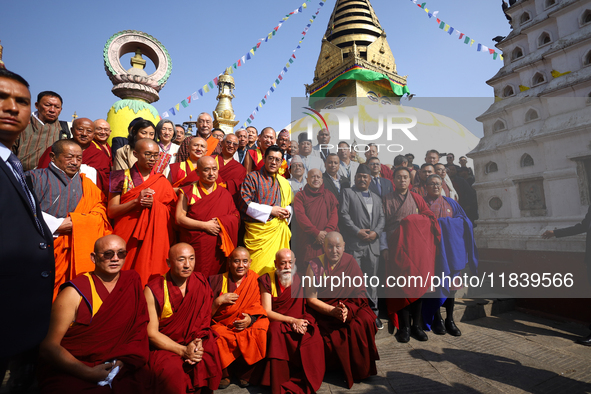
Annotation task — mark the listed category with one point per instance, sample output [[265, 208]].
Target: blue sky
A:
[[58, 46]]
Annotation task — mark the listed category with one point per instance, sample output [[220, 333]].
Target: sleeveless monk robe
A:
[[147, 231], [212, 250], [412, 235], [183, 174], [80, 199], [232, 174], [249, 344], [183, 319], [108, 326], [314, 211], [294, 363], [350, 345]]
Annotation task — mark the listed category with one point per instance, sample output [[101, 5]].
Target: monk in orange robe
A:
[[93, 156], [255, 158], [141, 204], [295, 350], [239, 318], [204, 128], [185, 356], [97, 340], [74, 209], [183, 173], [232, 172], [208, 219]]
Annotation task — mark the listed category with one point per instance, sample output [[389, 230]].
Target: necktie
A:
[[18, 168], [379, 186]]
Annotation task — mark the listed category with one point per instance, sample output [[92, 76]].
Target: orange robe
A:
[[250, 343], [89, 223], [147, 231]]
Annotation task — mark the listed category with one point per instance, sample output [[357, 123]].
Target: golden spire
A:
[[1, 62], [137, 61], [74, 117]]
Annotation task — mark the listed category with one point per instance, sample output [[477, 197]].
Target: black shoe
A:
[[403, 335], [418, 334], [438, 327], [451, 328], [585, 341], [379, 324], [224, 383]]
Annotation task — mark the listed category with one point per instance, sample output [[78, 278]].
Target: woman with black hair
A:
[[124, 159]]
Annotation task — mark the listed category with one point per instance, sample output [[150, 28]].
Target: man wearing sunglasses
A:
[[73, 207], [97, 335], [141, 203], [230, 170]]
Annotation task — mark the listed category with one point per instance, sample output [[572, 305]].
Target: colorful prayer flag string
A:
[[280, 77], [451, 30], [239, 63]]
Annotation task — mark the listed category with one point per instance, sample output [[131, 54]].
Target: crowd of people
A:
[[165, 262]]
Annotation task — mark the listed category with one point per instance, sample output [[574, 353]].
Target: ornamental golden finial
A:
[[1, 62], [137, 61], [74, 117]]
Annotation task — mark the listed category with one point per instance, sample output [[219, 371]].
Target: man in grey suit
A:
[[361, 223]]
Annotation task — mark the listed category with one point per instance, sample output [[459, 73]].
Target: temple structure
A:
[[533, 165], [224, 113]]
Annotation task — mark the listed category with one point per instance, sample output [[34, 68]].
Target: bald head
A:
[[181, 261], [334, 236], [205, 161], [239, 263], [77, 121], [180, 248], [284, 266], [239, 250], [102, 131], [146, 144], [315, 179], [207, 169], [334, 247], [101, 243], [83, 132]]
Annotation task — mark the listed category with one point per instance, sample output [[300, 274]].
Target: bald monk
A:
[[185, 356], [98, 329], [346, 322], [208, 219], [316, 213], [255, 160], [204, 130], [74, 209], [295, 350], [141, 205], [239, 318], [231, 171], [83, 131]]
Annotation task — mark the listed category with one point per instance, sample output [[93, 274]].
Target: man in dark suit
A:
[[361, 223], [26, 244], [379, 185], [580, 228], [334, 182]]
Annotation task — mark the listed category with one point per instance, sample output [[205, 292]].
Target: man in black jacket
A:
[[583, 227], [26, 244]]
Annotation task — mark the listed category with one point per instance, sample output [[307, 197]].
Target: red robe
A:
[[190, 319], [294, 362], [212, 250], [233, 174], [250, 343], [148, 231], [116, 331], [350, 345], [314, 211], [183, 174], [94, 157]]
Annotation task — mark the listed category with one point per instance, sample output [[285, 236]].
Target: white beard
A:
[[284, 277]]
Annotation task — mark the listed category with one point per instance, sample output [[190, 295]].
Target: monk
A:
[[141, 205], [255, 160], [208, 219], [316, 214], [295, 350], [74, 209], [239, 318], [231, 171], [101, 137], [346, 322], [266, 210], [184, 353], [420, 184], [97, 340], [409, 245], [83, 132], [204, 127], [458, 250], [183, 173]]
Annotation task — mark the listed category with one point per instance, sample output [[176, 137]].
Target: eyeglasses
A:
[[374, 164], [434, 184], [149, 155], [232, 143], [275, 159], [110, 253]]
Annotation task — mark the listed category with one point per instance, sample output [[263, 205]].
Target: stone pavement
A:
[[511, 352]]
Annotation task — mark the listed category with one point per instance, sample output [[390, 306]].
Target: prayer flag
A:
[[479, 48], [248, 57], [451, 30], [285, 69], [277, 81], [495, 56], [201, 92], [178, 107], [211, 85], [446, 27], [243, 59], [280, 77], [491, 51], [189, 99], [471, 42], [485, 48], [290, 61], [275, 86], [263, 101], [165, 114], [461, 36], [441, 25], [248, 120], [305, 5], [205, 88], [467, 40], [184, 103], [172, 110], [215, 81], [195, 96], [251, 117], [251, 51], [271, 89]]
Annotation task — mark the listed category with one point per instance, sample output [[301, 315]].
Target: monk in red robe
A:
[[141, 204], [97, 340], [185, 356], [208, 219], [316, 213], [346, 322], [295, 350], [83, 131], [101, 137], [73, 208], [231, 171], [255, 158], [183, 173], [239, 319], [410, 247], [204, 130]]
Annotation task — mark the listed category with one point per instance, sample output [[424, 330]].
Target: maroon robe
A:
[[350, 345], [233, 174], [181, 178], [212, 250], [117, 331], [314, 211], [294, 362], [191, 319]]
